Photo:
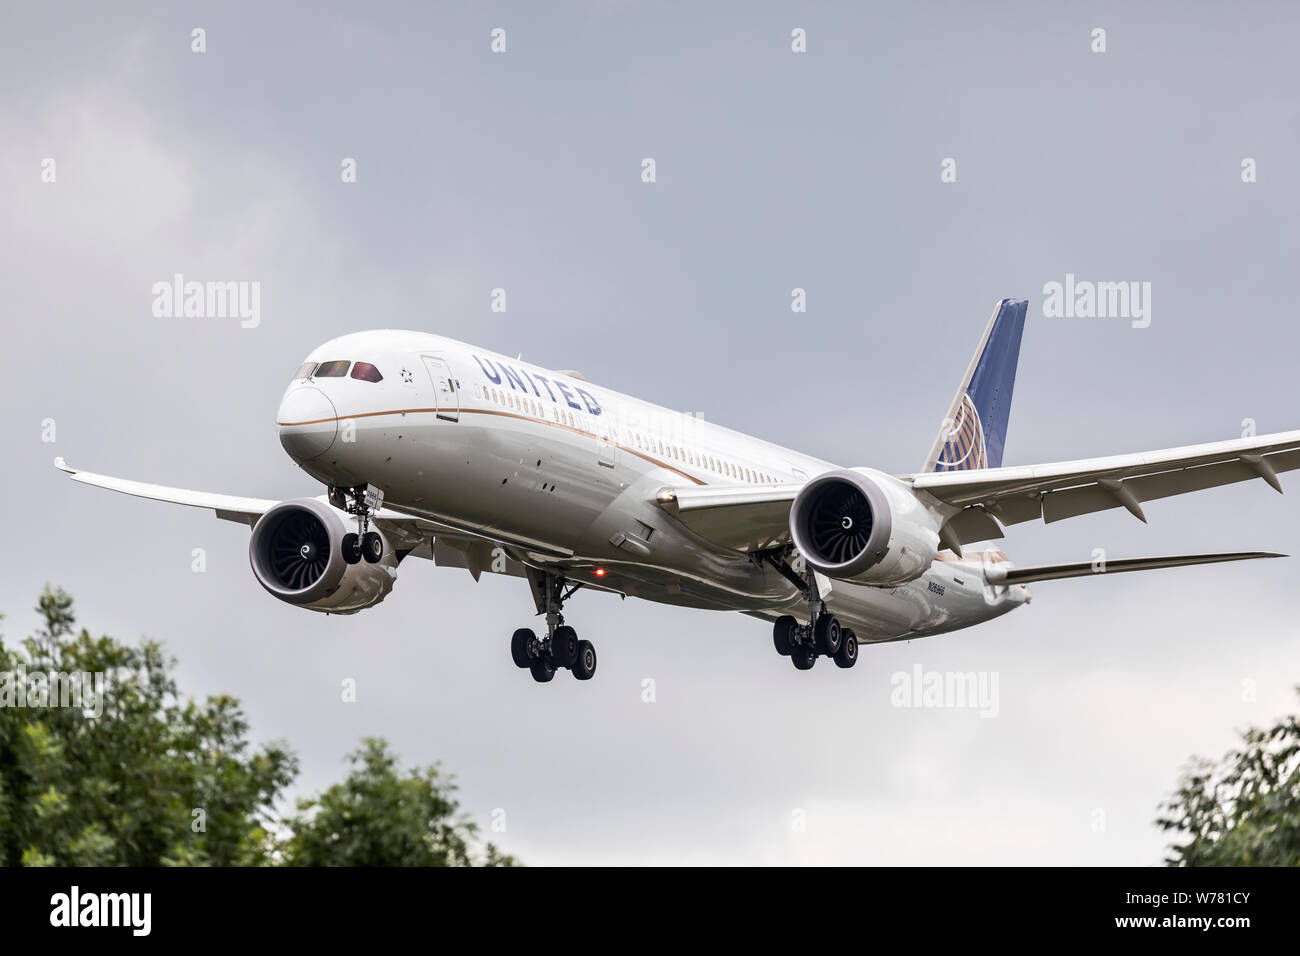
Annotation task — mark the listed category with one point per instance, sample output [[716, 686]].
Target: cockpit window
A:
[[305, 371], [366, 372], [332, 369]]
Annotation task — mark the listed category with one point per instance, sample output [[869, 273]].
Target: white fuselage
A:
[[563, 473]]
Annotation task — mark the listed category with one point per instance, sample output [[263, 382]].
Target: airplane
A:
[[432, 448]]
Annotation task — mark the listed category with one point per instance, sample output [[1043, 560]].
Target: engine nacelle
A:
[[297, 555], [863, 526]]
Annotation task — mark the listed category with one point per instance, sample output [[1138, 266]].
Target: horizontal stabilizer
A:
[[1004, 574]]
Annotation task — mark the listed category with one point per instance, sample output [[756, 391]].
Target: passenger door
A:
[[606, 442], [444, 388]]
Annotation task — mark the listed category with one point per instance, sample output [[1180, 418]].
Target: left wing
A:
[[1005, 574], [741, 517], [1062, 490], [748, 517]]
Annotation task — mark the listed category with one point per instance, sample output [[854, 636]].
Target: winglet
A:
[[62, 465]]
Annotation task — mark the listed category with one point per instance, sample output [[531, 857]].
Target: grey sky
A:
[[775, 170]]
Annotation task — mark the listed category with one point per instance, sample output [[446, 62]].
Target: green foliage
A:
[[122, 788], [156, 780], [1243, 810], [379, 816]]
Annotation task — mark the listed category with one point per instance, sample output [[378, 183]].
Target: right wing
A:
[[417, 536], [229, 507], [420, 537]]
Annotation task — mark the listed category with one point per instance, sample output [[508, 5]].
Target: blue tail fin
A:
[[975, 431]]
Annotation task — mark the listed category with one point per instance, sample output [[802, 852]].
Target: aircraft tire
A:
[[847, 655], [520, 643], [542, 670], [564, 646], [827, 634], [584, 664], [782, 631]]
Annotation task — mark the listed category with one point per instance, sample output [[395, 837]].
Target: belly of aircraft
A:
[[546, 485]]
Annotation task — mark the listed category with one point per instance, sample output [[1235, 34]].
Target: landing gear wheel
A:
[[542, 670], [783, 632], [523, 647], [372, 546], [803, 656], [847, 655], [584, 665], [564, 646], [827, 634], [351, 547]]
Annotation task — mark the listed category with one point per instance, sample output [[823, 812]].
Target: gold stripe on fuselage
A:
[[492, 411]]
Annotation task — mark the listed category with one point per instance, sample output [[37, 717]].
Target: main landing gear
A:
[[804, 644], [560, 649], [362, 501], [822, 637]]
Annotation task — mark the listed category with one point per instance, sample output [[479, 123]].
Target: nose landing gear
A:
[[362, 501], [560, 649]]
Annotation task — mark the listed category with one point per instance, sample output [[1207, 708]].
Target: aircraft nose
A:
[[308, 423]]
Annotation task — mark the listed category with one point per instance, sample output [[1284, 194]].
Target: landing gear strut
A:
[[822, 636], [362, 501], [561, 648]]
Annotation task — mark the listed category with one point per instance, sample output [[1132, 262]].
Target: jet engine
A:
[[864, 526], [297, 554]]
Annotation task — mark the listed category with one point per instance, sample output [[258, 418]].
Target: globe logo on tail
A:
[[963, 448]]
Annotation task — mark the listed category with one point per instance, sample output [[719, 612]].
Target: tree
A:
[[147, 781], [379, 816], [1243, 810], [130, 774]]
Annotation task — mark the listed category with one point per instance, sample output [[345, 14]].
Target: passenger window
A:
[[332, 369], [305, 371], [366, 372]]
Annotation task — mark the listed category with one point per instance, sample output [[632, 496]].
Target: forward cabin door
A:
[[607, 449], [444, 387]]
